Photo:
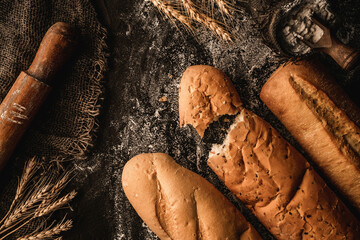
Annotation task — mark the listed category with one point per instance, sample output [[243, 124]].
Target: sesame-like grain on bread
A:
[[276, 182]]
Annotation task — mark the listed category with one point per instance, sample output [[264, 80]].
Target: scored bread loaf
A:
[[322, 119], [205, 94], [178, 204], [278, 185], [274, 180]]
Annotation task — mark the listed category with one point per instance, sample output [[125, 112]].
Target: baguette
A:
[[205, 94], [178, 204], [322, 119], [275, 181], [278, 185]]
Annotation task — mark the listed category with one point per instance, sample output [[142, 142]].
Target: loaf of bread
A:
[[273, 179], [322, 119], [205, 94], [178, 204], [278, 185]]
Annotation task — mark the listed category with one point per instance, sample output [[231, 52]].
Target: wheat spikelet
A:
[[216, 28], [62, 182], [189, 7], [29, 171], [42, 211], [223, 6], [207, 21], [23, 211], [36, 195], [56, 189], [172, 13], [193, 14], [48, 233]]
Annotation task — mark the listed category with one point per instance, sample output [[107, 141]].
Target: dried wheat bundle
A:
[[49, 232], [37, 195], [187, 12]]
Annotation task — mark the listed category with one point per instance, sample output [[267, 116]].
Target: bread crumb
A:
[[163, 99]]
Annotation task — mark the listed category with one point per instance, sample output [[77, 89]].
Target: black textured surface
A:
[[148, 57]]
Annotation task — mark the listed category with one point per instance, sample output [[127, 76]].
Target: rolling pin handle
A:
[[344, 55], [31, 88], [55, 49]]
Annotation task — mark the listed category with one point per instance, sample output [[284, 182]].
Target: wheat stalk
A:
[[169, 11], [29, 170], [193, 13], [42, 211], [207, 21], [48, 233], [223, 6], [36, 200], [216, 28], [56, 189], [23, 211]]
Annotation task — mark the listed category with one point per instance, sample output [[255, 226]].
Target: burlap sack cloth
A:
[[64, 128]]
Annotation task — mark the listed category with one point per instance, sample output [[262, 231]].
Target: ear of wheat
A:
[[187, 12], [37, 195], [171, 12], [223, 6], [195, 14], [49, 232]]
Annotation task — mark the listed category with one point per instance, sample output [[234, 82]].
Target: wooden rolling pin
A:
[[344, 55], [31, 87]]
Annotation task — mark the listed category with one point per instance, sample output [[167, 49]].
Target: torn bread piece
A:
[[276, 182], [178, 204], [206, 94]]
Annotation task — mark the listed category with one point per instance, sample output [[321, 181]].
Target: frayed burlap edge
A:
[[87, 132]]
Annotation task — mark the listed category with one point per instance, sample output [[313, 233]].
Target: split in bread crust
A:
[[178, 204], [322, 119], [205, 94], [275, 181]]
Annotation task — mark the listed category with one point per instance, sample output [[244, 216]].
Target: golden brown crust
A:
[[322, 119], [205, 94], [277, 183], [178, 204]]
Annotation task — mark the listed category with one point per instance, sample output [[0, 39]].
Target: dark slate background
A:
[[147, 58]]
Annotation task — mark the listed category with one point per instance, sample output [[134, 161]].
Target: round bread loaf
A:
[[178, 204]]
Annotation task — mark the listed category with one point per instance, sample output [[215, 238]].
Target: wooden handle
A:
[[30, 89], [55, 48], [17, 111], [345, 56]]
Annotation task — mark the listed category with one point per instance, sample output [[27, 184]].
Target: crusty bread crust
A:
[[178, 204], [322, 119], [278, 185], [205, 94]]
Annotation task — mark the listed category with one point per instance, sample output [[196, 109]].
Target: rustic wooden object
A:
[[31, 87], [344, 55]]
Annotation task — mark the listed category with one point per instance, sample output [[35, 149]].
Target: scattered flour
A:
[[153, 69], [298, 24]]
